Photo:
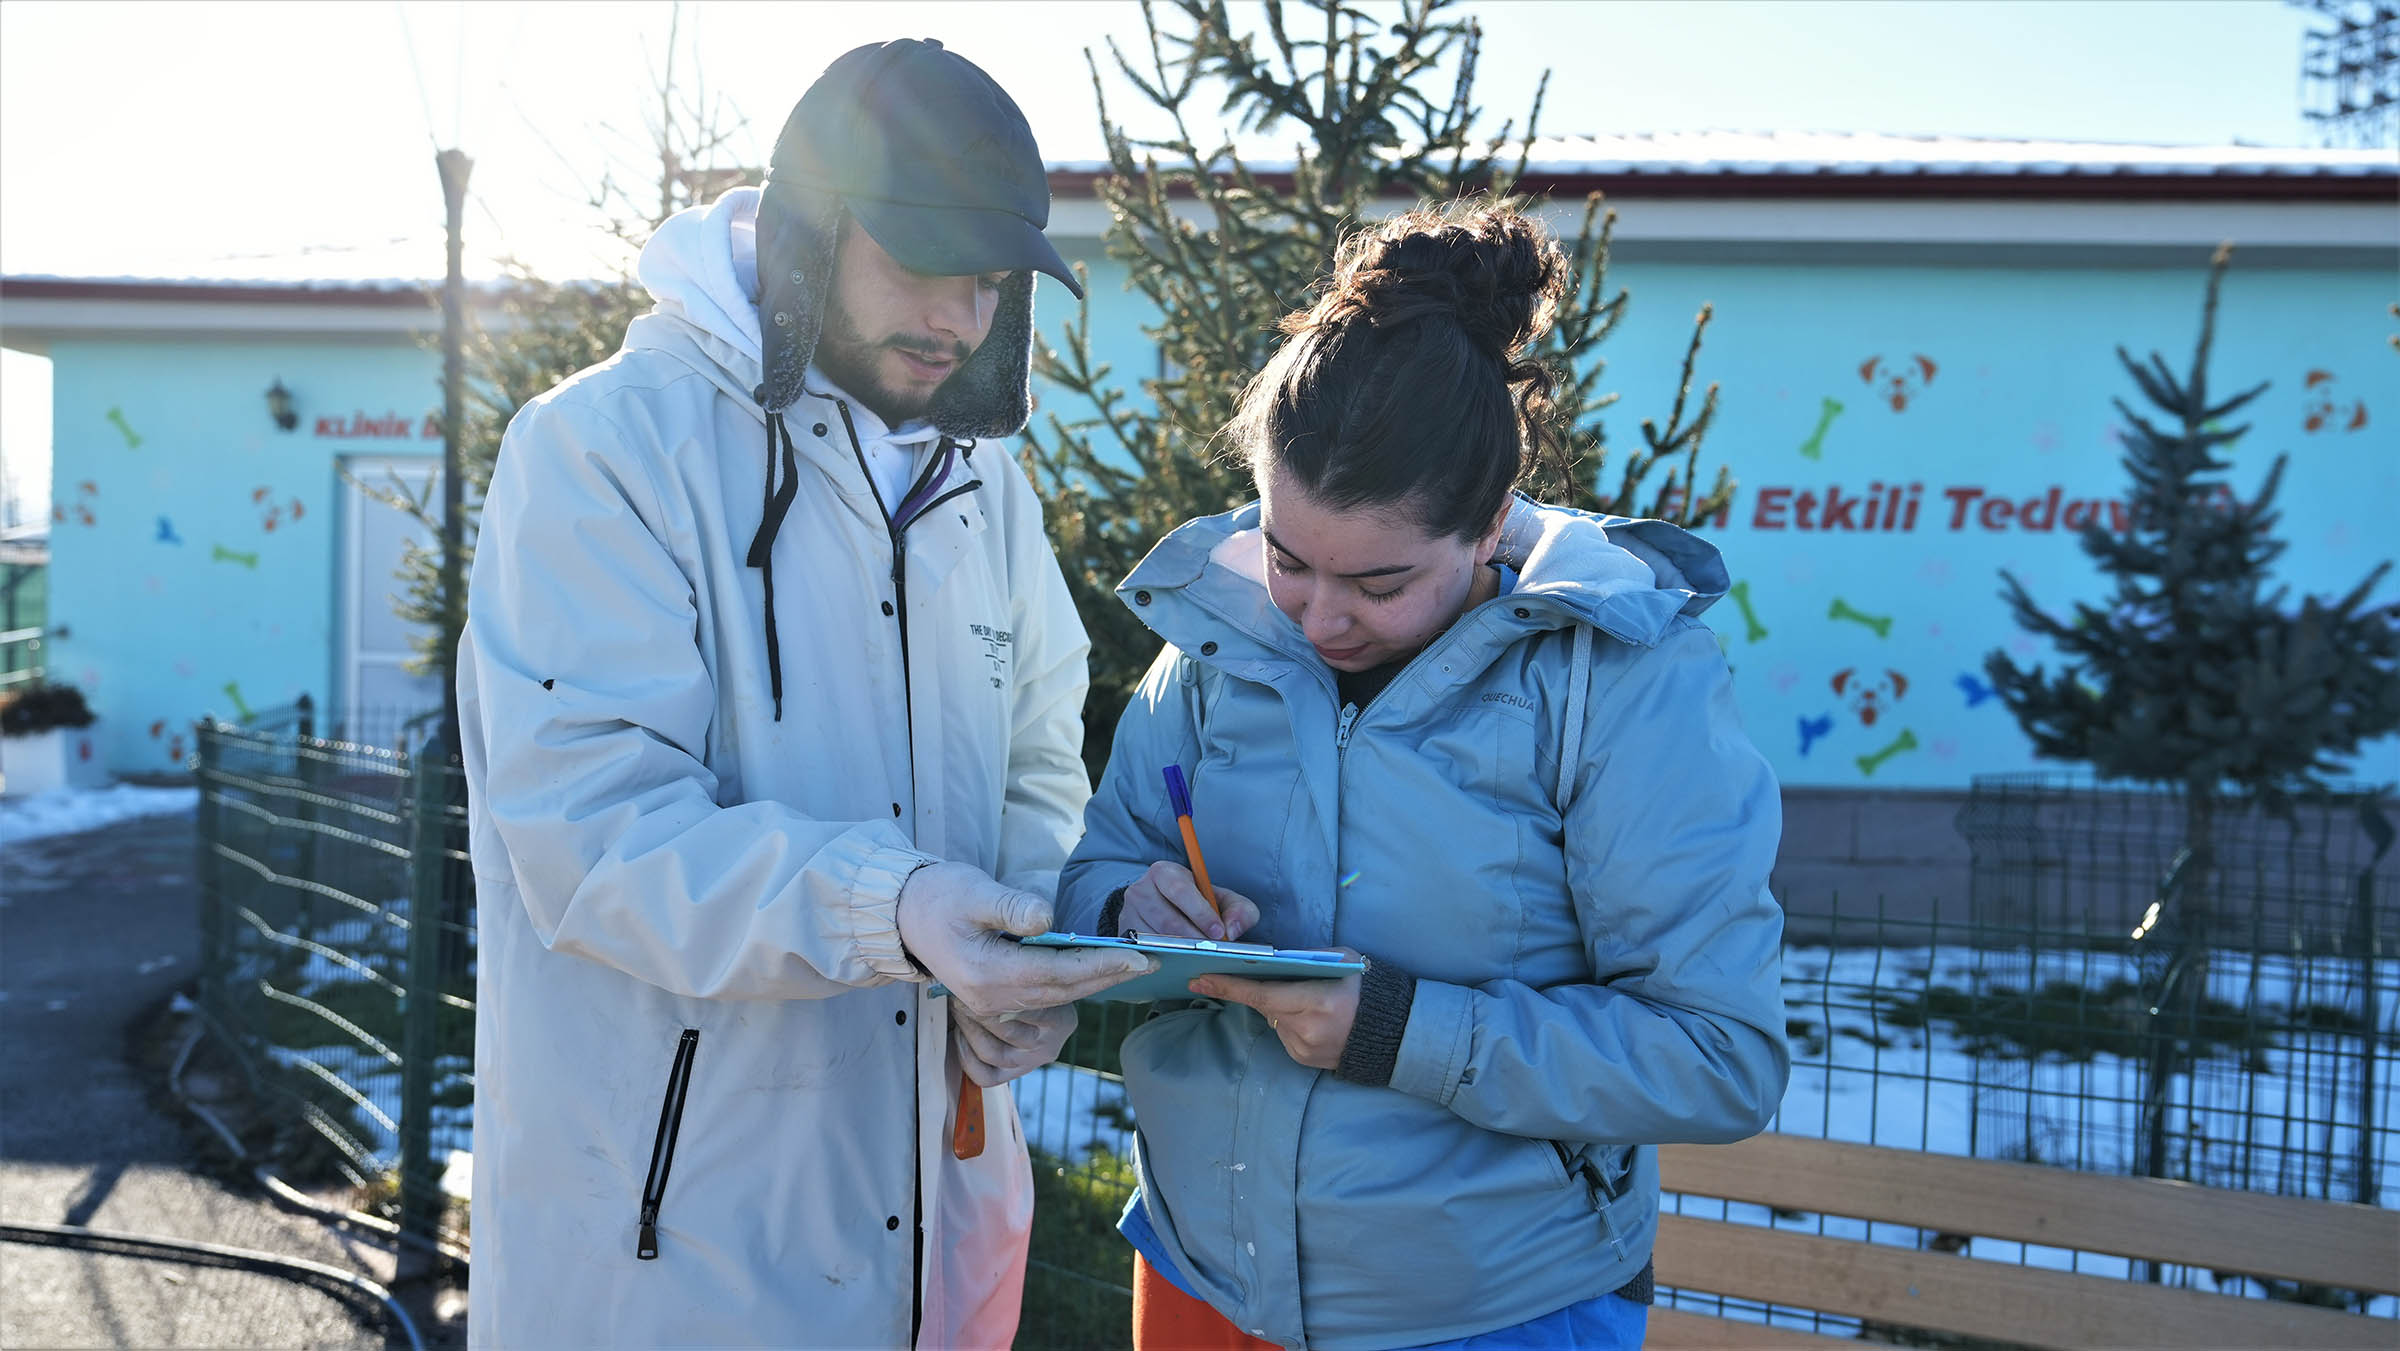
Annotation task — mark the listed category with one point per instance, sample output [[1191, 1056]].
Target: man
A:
[[745, 761]]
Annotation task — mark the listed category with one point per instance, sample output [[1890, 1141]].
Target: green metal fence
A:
[[1952, 1031], [24, 609], [337, 949]]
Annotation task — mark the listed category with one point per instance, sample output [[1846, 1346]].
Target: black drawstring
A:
[[774, 505]]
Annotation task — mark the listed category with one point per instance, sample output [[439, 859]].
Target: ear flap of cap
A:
[[988, 396], [798, 229]]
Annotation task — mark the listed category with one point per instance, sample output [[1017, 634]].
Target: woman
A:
[[1483, 742]]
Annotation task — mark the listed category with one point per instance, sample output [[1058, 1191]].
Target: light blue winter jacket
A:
[[1587, 982]]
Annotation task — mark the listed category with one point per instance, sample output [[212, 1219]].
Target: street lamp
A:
[[279, 405]]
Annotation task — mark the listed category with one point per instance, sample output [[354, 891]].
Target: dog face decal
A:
[[1897, 382], [1868, 696], [2325, 409]]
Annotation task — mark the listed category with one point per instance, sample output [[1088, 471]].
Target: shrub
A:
[[41, 707]]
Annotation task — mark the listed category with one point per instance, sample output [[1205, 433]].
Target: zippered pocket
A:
[[1566, 1160], [662, 1150]]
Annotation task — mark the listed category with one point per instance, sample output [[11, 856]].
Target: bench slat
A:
[[1682, 1330], [2333, 1243], [2030, 1306]]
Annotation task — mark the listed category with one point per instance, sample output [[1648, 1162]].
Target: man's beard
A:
[[849, 360]]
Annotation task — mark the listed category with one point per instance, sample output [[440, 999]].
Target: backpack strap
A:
[[1570, 732]]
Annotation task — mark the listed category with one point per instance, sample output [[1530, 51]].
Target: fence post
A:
[[310, 769], [212, 900], [420, 1181], [2367, 941]]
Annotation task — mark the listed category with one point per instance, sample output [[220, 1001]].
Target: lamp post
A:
[[454, 166], [437, 900]]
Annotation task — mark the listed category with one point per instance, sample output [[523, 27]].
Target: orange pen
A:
[[1181, 796]]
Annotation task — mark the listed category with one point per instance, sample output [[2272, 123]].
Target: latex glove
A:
[[962, 926], [1165, 900], [1312, 1018], [996, 1050]]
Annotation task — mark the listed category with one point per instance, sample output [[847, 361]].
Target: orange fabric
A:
[[1166, 1319]]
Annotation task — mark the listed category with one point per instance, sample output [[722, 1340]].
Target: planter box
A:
[[41, 762]]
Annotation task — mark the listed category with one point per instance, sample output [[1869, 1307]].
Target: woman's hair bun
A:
[[1409, 383], [1497, 272]]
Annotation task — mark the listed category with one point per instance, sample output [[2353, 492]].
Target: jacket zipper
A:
[[662, 1150], [1341, 730], [894, 531], [898, 533]]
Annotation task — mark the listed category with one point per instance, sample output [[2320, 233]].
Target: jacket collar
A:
[[1205, 582]]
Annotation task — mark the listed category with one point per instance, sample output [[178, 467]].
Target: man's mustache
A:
[[932, 351]]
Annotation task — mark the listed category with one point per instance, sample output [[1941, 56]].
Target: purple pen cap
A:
[[1177, 793]]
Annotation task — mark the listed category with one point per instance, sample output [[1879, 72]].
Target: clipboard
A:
[[1181, 959]]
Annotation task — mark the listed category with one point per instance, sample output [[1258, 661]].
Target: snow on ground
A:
[[1069, 1112], [1876, 1081], [65, 811], [458, 1176], [372, 1086]]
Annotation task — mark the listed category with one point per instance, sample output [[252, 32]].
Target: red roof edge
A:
[[135, 288]]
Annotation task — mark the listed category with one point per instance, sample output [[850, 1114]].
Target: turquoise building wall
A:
[[1859, 659], [1857, 647], [194, 546]]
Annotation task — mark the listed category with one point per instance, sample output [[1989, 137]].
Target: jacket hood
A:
[[699, 269], [1628, 578]]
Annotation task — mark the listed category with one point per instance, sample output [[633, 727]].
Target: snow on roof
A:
[[1788, 152], [1866, 153]]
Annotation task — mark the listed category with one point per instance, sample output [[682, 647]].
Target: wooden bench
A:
[[2320, 1243]]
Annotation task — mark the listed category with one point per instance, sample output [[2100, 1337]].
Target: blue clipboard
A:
[[1181, 959]]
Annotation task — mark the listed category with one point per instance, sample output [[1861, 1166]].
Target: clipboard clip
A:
[[1201, 944]]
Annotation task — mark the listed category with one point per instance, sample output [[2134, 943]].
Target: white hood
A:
[[701, 267]]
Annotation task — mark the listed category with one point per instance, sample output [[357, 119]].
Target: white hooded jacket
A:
[[692, 996]]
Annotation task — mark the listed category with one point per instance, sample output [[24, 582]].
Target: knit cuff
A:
[[1385, 994], [1110, 909]]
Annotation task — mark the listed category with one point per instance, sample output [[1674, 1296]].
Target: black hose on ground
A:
[[81, 1238]]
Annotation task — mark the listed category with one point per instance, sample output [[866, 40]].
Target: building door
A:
[[379, 701]]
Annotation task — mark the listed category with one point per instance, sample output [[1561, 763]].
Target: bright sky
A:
[[291, 140], [260, 139]]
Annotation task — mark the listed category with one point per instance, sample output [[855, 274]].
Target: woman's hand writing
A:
[[1165, 900]]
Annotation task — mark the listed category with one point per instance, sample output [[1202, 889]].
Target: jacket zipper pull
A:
[[662, 1152], [1341, 731]]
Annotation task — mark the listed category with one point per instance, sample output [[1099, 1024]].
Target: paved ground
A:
[[96, 930]]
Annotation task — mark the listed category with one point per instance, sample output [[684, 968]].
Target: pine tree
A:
[[2196, 677], [1378, 111], [2195, 674]]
